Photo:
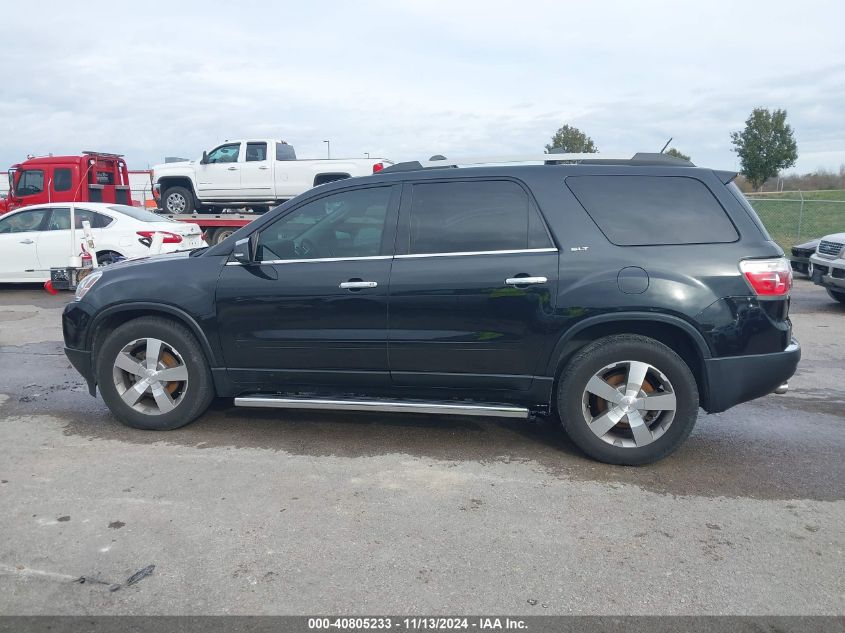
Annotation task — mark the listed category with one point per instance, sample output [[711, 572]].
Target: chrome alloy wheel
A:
[[629, 404], [176, 202], [150, 376]]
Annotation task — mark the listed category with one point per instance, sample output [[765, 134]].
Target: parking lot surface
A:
[[268, 512]]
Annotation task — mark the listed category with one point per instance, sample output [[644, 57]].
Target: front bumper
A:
[[735, 379], [829, 273]]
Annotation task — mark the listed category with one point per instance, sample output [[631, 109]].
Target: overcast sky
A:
[[405, 80]]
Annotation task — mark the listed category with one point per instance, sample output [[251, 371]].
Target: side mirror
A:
[[204, 159], [246, 250]]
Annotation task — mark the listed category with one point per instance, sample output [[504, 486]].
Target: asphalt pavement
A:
[[276, 512]]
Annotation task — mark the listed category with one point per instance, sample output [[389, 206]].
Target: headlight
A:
[[84, 286]]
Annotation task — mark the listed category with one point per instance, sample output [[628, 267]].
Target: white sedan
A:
[[37, 238]]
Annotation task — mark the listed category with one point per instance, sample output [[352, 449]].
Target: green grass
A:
[[824, 213]]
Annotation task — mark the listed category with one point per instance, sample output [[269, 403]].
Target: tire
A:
[[179, 352], [108, 257], [178, 200], [640, 435], [221, 234], [836, 295]]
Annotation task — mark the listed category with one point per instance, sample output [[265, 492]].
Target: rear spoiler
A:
[[726, 177]]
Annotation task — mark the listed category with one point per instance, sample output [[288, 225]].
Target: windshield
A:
[[139, 214]]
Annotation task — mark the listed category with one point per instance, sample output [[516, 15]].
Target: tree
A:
[[572, 140], [673, 152], [766, 146]]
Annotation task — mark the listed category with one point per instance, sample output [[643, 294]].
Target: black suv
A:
[[618, 295]]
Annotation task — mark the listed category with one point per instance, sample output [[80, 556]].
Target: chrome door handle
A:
[[263, 167], [27, 241], [525, 281], [352, 285], [233, 169]]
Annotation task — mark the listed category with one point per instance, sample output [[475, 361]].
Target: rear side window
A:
[[62, 179], [256, 152], [60, 219], [455, 217], [653, 210]]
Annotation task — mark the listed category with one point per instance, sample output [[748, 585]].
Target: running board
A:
[[391, 406]]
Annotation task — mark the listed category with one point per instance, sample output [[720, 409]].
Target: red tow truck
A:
[[90, 177], [97, 177]]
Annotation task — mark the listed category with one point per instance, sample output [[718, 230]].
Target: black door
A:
[[472, 287], [314, 311]]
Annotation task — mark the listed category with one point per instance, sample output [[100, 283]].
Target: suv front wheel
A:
[[153, 375], [627, 399]]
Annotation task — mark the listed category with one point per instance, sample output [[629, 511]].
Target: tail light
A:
[[377, 167], [768, 277], [169, 238]]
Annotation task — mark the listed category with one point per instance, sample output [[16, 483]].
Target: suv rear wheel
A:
[[627, 399], [153, 374]]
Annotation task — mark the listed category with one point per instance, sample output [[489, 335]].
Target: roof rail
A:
[[638, 159]]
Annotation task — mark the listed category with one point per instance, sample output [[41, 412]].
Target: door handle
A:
[[525, 281], [354, 285], [233, 169], [27, 241], [263, 167]]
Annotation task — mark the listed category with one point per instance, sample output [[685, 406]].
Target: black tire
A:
[[836, 295], [105, 258], [574, 403], [178, 200], [198, 389], [221, 234]]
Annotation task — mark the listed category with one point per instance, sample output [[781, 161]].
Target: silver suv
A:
[[828, 265]]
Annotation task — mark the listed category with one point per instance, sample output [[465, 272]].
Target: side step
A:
[[392, 406]]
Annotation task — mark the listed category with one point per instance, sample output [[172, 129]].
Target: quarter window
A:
[[475, 216], [31, 181], [345, 224], [62, 179], [653, 210], [256, 152], [225, 154]]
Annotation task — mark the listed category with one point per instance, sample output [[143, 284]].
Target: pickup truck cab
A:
[[249, 173]]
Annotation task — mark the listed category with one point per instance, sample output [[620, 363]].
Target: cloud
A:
[[406, 80]]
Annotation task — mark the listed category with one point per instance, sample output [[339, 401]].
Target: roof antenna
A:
[[667, 145]]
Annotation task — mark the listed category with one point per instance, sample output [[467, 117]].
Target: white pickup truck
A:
[[248, 173]]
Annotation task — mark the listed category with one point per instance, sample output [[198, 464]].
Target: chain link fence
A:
[[794, 217]]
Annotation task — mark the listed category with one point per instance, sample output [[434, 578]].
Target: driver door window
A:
[[348, 224], [225, 154], [31, 182]]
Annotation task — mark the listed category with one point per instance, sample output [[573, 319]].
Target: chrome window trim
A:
[[465, 253], [318, 259], [409, 256]]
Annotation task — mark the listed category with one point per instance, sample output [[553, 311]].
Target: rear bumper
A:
[[737, 379], [81, 360]]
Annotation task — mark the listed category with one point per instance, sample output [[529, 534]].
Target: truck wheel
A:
[[221, 234], [153, 374], [178, 200], [836, 295], [627, 399]]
